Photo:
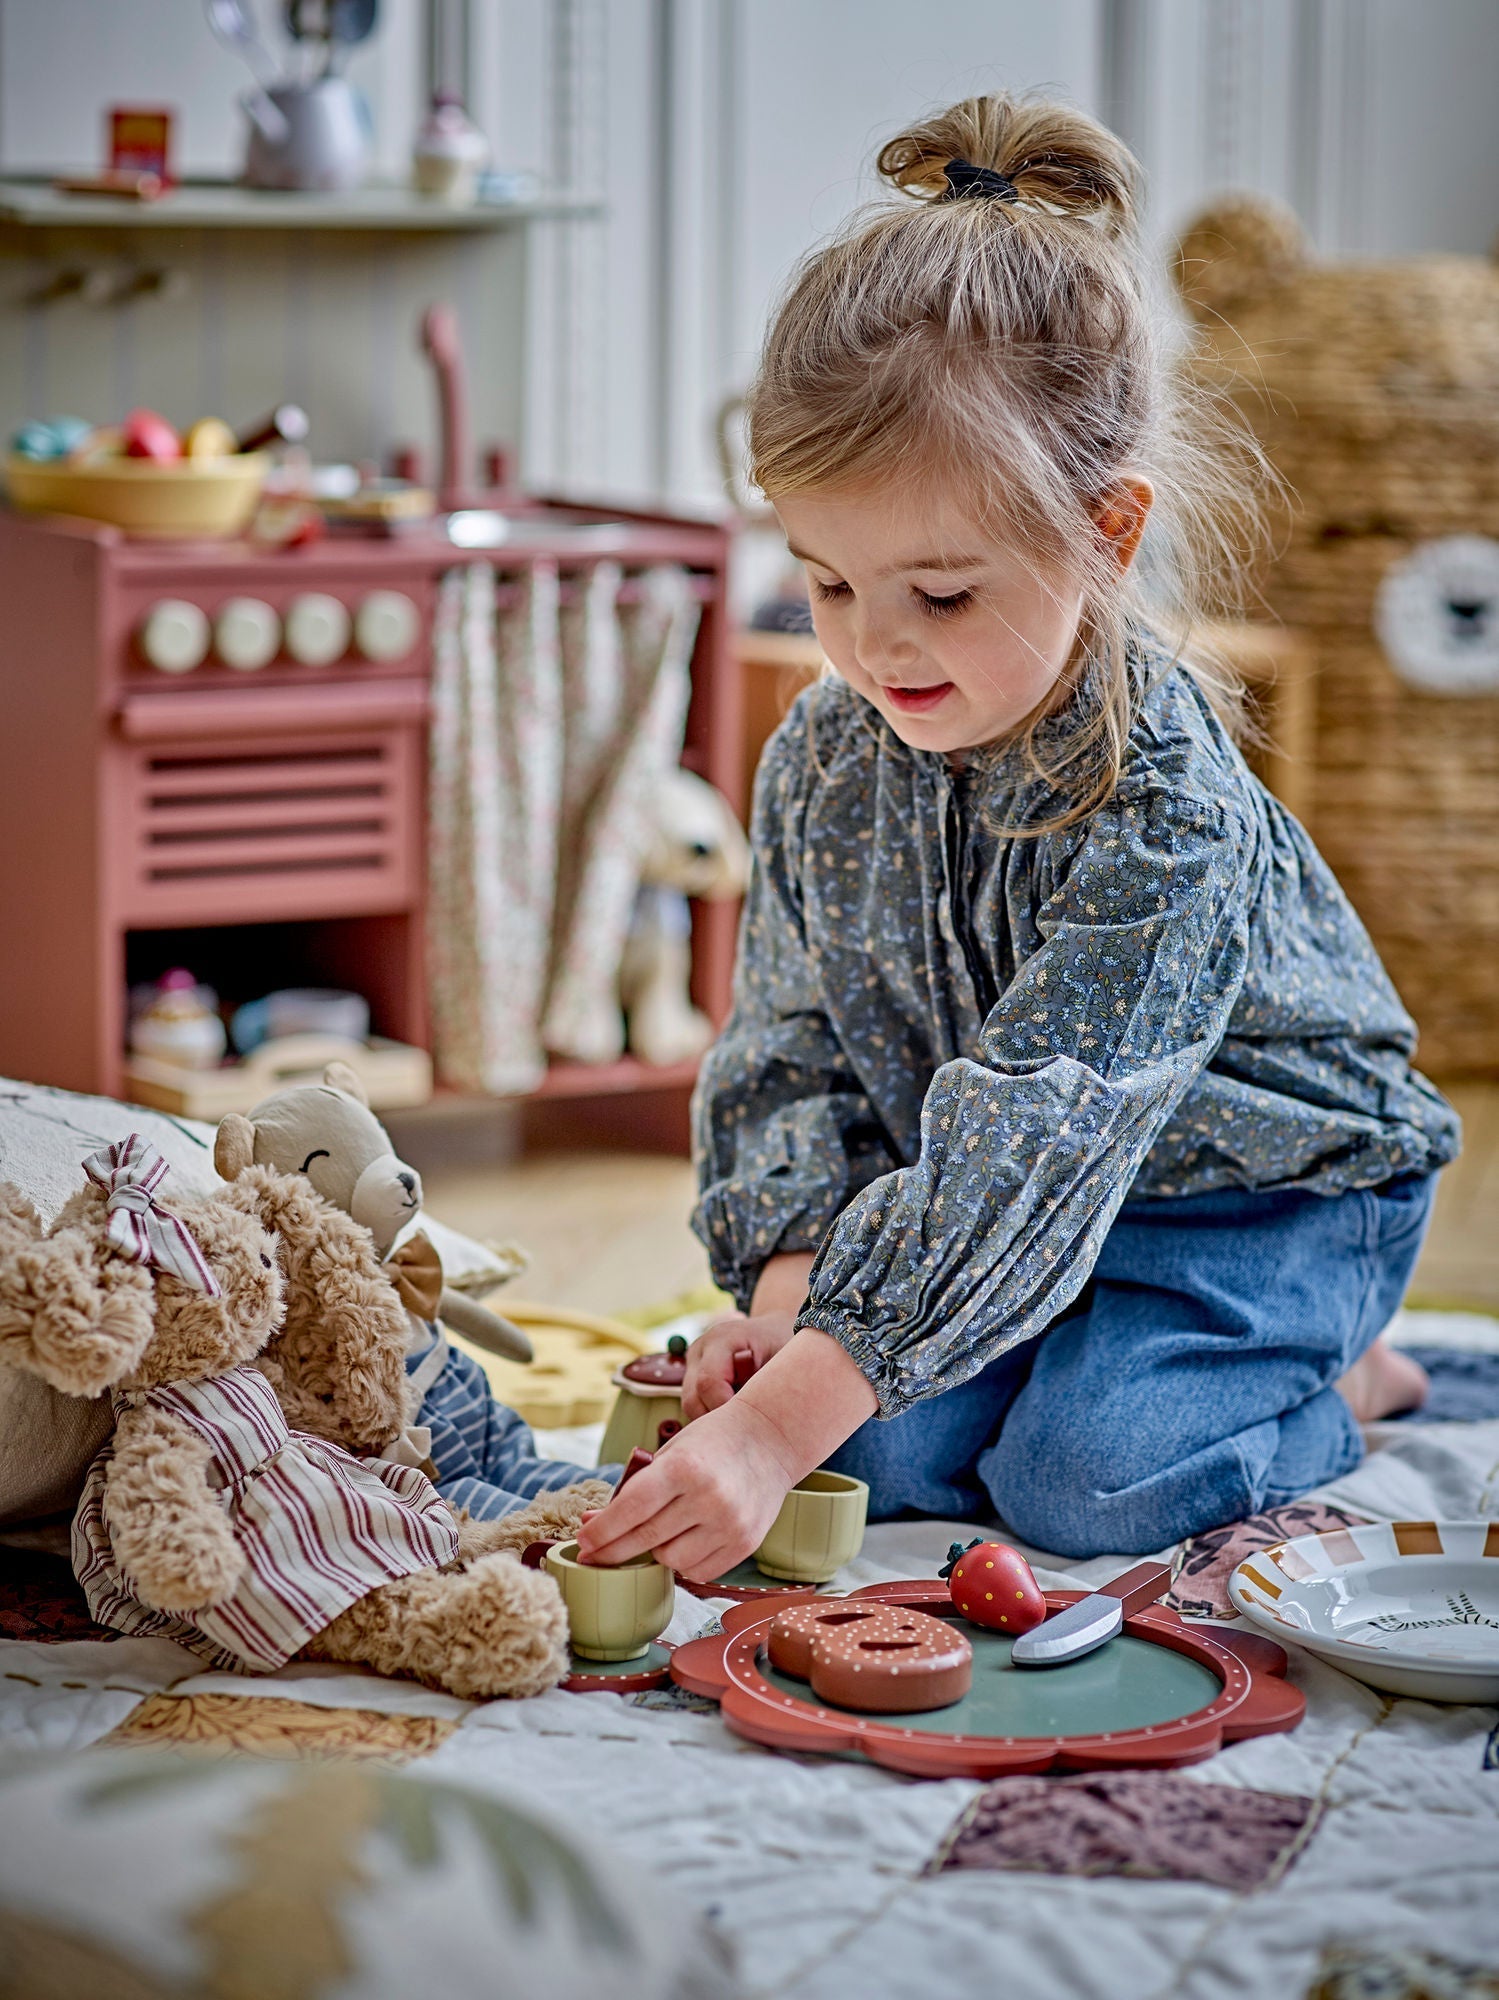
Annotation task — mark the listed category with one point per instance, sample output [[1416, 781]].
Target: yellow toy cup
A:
[[820, 1527], [613, 1613]]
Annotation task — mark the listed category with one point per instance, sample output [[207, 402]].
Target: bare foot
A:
[[1382, 1383]]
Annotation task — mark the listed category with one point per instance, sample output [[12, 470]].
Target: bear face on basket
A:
[[1374, 391], [205, 1518]]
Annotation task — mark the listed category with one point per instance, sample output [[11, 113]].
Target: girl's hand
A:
[[726, 1354], [704, 1503], [709, 1496]]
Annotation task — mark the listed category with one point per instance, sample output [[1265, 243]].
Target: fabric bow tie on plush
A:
[[416, 1272]]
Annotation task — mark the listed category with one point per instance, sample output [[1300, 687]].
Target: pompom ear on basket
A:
[[1374, 389]]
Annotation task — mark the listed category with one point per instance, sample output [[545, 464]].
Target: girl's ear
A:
[[1122, 516]]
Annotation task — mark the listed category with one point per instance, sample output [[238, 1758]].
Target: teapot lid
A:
[[659, 1371]]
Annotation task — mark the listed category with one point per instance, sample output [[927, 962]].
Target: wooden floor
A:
[[1460, 1265], [608, 1231]]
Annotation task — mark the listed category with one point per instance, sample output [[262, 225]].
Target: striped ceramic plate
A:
[[1412, 1606]]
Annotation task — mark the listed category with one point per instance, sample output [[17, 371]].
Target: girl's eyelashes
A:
[[945, 607], [937, 607]]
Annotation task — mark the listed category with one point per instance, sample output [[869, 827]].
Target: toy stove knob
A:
[[173, 635], [246, 633], [317, 629], [386, 625]]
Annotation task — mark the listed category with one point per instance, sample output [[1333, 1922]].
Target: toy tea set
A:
[[974, 1672], [979, 1671]]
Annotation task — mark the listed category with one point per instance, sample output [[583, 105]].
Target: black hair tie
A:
[[964, 179]]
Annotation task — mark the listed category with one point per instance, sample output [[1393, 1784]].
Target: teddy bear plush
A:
[[362, 1358], [206, 1518], [1373, 388], [696, 848]]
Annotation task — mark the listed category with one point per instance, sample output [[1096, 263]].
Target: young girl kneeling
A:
[[1063, 1153]]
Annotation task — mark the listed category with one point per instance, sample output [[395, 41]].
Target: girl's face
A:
[[955, 638]]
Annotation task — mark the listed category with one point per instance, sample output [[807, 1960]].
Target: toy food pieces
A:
[[147, 434], [210, 437], [873, 1657], [175, 1019], [992, 1585], [51, 437], [649, 1399]]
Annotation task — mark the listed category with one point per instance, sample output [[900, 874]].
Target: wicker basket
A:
[[1374, 389]]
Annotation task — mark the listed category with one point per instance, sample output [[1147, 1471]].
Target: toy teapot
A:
[[648, 1409]]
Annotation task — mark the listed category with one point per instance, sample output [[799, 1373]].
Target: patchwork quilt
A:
[[1355, 1857]]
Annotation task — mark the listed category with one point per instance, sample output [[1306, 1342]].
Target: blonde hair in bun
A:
[[1000, 330]]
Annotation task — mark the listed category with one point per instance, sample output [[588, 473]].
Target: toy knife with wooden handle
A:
[[1091, 1622]]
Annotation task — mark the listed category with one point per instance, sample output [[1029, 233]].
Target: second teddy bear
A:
[[317, 1166]]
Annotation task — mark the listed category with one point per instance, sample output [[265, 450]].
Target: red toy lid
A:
[[659, 1371]]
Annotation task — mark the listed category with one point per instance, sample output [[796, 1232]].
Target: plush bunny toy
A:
[[697, 848]]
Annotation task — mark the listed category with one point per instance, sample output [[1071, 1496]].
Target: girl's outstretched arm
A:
[[784, 1133], [710, 1496]]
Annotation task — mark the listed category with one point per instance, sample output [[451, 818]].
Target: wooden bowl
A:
[[194, 497]]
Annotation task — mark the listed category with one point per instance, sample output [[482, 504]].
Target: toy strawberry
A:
[[992, 1585]]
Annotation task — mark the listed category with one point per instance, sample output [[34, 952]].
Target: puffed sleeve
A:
[[783, 1132], [1028, 1151]]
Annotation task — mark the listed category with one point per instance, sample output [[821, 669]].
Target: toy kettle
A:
[[648, 1408]]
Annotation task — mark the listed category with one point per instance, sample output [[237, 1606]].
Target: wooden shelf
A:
[[36, 204], [573, 1079]]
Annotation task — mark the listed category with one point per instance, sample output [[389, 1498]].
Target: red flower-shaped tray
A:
[[1162, 1693]]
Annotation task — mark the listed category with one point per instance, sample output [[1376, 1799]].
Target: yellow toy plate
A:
[[576, 1355]]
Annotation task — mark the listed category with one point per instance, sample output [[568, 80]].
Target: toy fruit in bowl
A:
[[147, 434], [144, 495], [51, 437], [992, 1585], [210, 437]]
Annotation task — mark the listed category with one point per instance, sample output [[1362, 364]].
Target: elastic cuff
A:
[[871, 1361], [730, 1232]]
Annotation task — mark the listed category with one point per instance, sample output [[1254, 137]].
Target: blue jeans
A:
[[1190, 1384]]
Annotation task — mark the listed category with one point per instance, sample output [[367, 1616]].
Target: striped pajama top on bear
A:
[[483, 1453], [319, 1529]]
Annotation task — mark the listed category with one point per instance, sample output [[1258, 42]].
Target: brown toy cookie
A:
[[793, 1630], [872, 1657]]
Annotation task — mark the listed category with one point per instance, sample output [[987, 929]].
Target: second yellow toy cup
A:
[[820, 1527]]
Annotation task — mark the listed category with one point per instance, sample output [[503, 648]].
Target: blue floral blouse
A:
[[953, 1053]]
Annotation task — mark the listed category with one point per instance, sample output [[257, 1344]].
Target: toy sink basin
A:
[[1409, 1606], [195, 497]]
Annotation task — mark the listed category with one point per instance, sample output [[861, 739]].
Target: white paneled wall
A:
[[736, 132], [725, 137]]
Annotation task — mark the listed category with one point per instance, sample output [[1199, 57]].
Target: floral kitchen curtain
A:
[[555, 708]]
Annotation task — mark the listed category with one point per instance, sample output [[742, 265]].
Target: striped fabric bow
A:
[[130, 1172]]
